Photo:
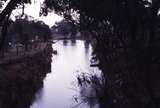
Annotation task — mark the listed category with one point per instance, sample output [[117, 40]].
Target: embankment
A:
[[20, 80]]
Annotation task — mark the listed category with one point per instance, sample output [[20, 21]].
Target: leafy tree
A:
[[5, 14], [64, 27], [31, 29]]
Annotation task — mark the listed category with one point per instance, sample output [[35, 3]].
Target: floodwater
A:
[[60, 88]]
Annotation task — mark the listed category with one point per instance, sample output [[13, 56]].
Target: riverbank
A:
[[20, 80]]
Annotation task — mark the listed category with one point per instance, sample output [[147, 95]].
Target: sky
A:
[[33, 10]]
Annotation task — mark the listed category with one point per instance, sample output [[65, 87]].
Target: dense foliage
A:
[[31, 29], [65, 28]]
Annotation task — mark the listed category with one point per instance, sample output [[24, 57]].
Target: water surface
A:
[[60, 89]]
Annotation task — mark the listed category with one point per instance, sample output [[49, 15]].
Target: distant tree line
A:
[[65, 28]]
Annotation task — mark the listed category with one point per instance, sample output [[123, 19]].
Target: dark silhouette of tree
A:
[[21, 28], [65, 28], [42, 30], [5, 14]]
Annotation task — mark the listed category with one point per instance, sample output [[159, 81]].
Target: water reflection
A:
[[61, 89], [65, 42], [73, 42], [87, 46]]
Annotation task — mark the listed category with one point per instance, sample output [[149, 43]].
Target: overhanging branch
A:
[[8, 9]]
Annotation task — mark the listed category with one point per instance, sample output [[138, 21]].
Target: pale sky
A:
[[33, 10]]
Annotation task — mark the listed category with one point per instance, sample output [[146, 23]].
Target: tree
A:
[[5, 14], [22, 27], [64, 27]]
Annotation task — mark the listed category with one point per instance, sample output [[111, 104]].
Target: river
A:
[[60, 88]]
